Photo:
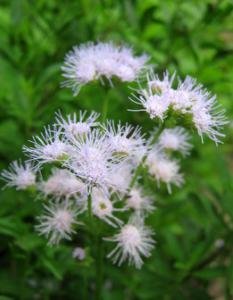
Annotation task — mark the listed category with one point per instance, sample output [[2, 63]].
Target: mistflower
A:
[[102, 207], [156, 105], [63, 183], [48, 147], [121, 177], [91, 61], [138, 202], [79, 253], [20, 175], [208, 120], [125, 140], [175, 139], [185, 96], [93, 159], [74, 126], [160, 86], [164, 169], [57, 223], [189, 98], [156, 97], [192, 98], [133, 241]]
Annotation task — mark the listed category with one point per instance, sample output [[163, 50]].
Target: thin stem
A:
[[105, 104], [138, 169], [95, 229], [99, 268], [89, 208]]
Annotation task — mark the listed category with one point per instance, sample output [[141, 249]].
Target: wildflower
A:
[[74, 126], [48, 147], [175, 139], [208, 120], [57, 222], [164, 169], [93, 159], [63, 183], [133, 241], [125, 140], [79, 253], [160, 86], [155, 105], [102, 207], [121, 177], [91, 61], [138, 202], [190, 97], [20, 175], [156, 97]]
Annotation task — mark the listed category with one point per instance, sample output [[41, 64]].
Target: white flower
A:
[[138, 202], [156, 97], [93, 159], [195, 100], [121, 177], [57, 222], [163, 168], [91, 61], [63, 183], [48, 147], [102, 207], [20, 175], [75, 126], [155, 105], [209, 120], [79, 253], [133, 241], [160, 86], [188, 98], [175, 139], [125, 139]]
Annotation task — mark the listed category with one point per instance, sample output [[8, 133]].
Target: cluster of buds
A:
[[94, 166]]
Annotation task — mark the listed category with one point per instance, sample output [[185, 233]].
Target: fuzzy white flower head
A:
[[155, 105], [91, 61], [160, 86], [79, 253], [208, 120], [163, 168], [102, 207], [20, 175], [121, 177], [75, 125], [155, 98], [48, 147], [133, 241], [190, 97], [138, 202], [93, 159], [175, 139], [63, 183], [125, 140], [57, 222]]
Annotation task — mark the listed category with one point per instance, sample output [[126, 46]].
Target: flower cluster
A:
[[91, 61], [95, 167], [188, 98]]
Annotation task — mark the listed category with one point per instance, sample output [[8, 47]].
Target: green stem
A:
[[105, 105], [138, 169], [95, 229], [99, 268], [89, 209]]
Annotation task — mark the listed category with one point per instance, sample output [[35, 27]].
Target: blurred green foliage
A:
[[193, 258]]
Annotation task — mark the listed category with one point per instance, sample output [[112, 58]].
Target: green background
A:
[[194, 226]]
